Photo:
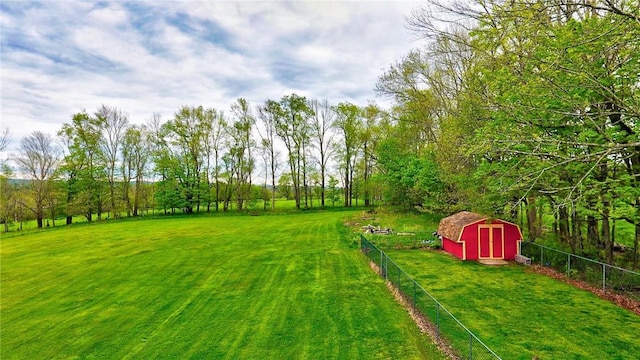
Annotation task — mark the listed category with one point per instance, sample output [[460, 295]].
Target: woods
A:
[[526, 110], [531, 111]]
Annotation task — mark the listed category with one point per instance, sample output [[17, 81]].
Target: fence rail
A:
[[596, 273], [448, 330]]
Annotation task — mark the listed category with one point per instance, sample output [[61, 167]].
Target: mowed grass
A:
[[255, 206], [520, 314], [234, 287]]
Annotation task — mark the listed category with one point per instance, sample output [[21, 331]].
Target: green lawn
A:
[[278, 287], [256, 206], [520, 314]]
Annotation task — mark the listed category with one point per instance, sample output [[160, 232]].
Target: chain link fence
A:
[[448, 331], [596, 273]]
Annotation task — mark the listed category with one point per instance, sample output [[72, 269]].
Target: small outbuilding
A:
[[471, 236]]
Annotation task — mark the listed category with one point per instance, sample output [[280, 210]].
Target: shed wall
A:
[[512, 236], [470, 237], [452, 247]]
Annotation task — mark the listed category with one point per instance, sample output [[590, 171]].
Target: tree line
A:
[[530, 111], [201, 159]]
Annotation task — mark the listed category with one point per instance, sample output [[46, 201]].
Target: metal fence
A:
[[599, 274], [448, 331]]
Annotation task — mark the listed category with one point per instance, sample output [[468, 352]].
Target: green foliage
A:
[[291, 117], [182, 158], [284, 186], [84, 167], [537, 100], [410, 180], [349, 124]]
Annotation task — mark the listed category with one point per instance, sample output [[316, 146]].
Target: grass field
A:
[[282, 206], [277, 287], [520, 314]]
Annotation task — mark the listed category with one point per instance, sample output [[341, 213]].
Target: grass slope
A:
[[520, 314], [288, 286]]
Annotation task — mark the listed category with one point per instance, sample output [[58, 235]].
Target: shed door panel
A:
[[484, 250], [498, 243]]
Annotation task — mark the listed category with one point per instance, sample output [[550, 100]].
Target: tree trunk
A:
[[533, 225], [606, 230], [273, 189], [636, 241], [346, 188], [322, 184], [576, 234], [563, 224], [351, 186], [593, 233], [136, 197], [113, 197], [367, 201]]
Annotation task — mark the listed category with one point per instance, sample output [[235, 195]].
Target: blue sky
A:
[[60, 57]]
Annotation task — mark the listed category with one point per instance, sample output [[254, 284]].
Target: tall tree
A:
[[6, 190], [216, 141], [243, 143], [369, 137], [167, 193], [83, 166], [322, 129], [216, 135], [270, 114], [114, 123], [136, 153], [348, 123], [187, 137], [38, 158], [293, 129]]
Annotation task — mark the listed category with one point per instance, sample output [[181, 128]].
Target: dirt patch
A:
[[425, 326], [618, 299]]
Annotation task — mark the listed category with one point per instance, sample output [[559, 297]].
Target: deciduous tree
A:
[[38, 159], [322, 129]]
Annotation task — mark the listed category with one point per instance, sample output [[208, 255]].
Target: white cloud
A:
[[59, 58]]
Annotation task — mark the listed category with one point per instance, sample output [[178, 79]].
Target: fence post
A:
[[381, 272], [386, 266], [470, 346], [604, 277], [568, 264], [541, 256]]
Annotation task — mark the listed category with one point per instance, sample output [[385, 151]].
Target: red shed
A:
[[471, 236]]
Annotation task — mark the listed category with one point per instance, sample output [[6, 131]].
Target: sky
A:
[[58, 58]]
